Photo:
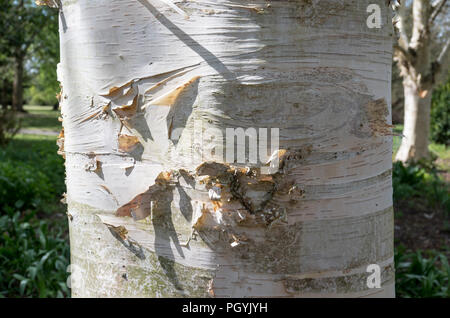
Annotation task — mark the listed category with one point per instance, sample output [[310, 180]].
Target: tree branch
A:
[[403, 41], [399, 51], [436, 10], [404, 60], [421, 14], [441, 66]]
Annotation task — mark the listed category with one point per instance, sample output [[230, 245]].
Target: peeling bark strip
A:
[[128, 143], [155, 213], [50, 3]]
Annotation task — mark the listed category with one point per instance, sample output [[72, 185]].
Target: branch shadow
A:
[[164, 233], [207, 56]]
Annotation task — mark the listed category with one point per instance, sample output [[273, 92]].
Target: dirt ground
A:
[[417, 226]]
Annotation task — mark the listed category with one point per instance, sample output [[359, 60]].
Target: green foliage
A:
[[30, 172], [420, 181], [33, 258], [23, 186], [41, 93], [440, 115], [29, 36], [34, 253], [419, 277], [44, 85], [6, 77], [9, 126], [23, 25]]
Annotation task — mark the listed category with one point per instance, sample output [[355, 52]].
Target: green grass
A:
[[41, 117], [440, 151], [398, 129]]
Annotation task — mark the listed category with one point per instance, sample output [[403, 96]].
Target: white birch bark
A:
[[134, 71], [416, 129], [420, 75]]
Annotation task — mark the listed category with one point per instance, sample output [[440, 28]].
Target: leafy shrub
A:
[[30, 171], [33, 259], [36, 96], [23, 186], [34, 253], [9, 126], [418, 276], [440, 115], [420, 181]]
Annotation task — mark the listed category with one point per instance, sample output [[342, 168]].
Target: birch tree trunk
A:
[[416, 128], [420, 75], [149, 89]]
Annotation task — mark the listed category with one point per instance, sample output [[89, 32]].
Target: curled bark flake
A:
[[59, 95], [64, 198], [140, 206], [49, 3], [94, 115], [202, 218], [121, 234], [128, 143], [210, 288], [120, 230], [171, 98], [127, 111], [60, 144], [93, 165], [115, 90], [110, 193]]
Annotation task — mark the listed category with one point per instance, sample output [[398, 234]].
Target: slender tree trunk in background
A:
[[4, 95], [155, 211], [420, 75], [17, 98], [416, 124]]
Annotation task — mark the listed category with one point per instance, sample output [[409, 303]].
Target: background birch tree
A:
[[155, 211], [421, 70]]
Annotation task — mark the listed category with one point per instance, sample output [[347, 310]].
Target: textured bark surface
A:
[[148, 219]]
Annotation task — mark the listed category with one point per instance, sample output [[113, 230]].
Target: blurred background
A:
[[34, 246]]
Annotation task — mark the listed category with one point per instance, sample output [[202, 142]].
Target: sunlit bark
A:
[[420, 75], [151, 216]]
